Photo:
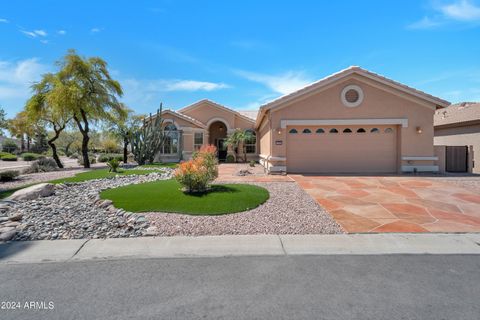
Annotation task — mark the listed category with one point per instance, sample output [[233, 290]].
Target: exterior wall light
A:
[[419, 130], [279, 131]]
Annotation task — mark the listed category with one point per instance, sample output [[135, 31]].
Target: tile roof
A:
[[252, 114], [457, 113]]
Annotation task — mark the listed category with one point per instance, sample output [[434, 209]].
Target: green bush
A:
[[113, 165], [92, 158], [42, 165], [8, 175], [230, 159], [9, 157], [252, 163], [197, 174], [105, 157], [30, 156], [9, 145]]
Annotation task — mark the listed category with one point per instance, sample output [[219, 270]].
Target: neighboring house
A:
[[204, 122], [353, 121], [459, 126]]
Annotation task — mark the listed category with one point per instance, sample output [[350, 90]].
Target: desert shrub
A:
[[105, 157], [30, 156], [8, 157], [8, 175], [230, 158], [92, 158], [196, 175], [42, 165], [113, 165], [252, 163]]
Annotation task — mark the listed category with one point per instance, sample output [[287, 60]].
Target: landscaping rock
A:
[[6, 236], [33, 192], [16, 217]]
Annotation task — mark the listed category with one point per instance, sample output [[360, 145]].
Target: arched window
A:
[[170, 145], [250, 141], [361, 130], [307, 131], [375, 130], [333, 130], [320, 130], [388, 130], [293, 131], [347, 130]]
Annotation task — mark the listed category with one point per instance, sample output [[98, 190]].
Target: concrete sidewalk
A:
[[220, 246]]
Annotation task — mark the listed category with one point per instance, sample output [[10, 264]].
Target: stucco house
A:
[[353, 121], [458, 126]]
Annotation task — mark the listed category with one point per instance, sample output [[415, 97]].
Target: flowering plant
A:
[[196, 174]]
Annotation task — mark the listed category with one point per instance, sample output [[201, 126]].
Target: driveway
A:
[[395, 204]]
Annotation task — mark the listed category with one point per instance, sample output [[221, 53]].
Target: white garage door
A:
[[342, 149]]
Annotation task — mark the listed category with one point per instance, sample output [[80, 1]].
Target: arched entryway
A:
[[217, 134]]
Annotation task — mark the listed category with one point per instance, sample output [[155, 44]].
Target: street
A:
[[278, 287]]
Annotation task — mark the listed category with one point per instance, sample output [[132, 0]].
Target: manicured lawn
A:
[[172, 165], [167, 196], [99, 174]]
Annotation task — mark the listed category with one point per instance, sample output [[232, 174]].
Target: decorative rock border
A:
[[76, 211]]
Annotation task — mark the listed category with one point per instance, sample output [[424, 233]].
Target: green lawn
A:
[[172, 165], [167, 196]]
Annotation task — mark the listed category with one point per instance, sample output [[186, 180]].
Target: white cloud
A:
[[192, 85], [29, 33], [463, 10], [4, 20], [17, 77], [95, 30], [41, 33], [284, 83], [459, 11], [62, 32], [44, 41]]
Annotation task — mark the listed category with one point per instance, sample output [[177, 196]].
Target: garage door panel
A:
[[342, 152]]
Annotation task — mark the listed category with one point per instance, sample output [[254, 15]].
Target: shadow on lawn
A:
[[212, 189]]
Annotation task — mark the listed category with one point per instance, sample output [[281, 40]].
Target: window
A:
[[347, 130], [170, 144], [320, 130], [388, 130], [197, 140], [361, 130], [307, 131], [375, 130], [333, 130], [251, 142], [352, 96], [293, 131]]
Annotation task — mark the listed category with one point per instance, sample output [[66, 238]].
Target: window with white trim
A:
[[197, 140], [171, 141], [251, 142]]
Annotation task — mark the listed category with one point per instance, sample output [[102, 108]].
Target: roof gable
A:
[[184, 117], [213, 105]]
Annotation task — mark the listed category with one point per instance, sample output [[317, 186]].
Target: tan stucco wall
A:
[[378, 103], [205, 112], [264, 139], [461, 136]]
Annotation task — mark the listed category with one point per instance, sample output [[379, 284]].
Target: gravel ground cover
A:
[[288, 211], [76, 211]]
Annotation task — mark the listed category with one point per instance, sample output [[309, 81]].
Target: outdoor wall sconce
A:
[[279, 131], [419, 130]]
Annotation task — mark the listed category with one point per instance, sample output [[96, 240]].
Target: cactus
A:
[[147, 141]]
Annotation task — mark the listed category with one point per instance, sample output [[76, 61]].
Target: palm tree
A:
[[237, 139]]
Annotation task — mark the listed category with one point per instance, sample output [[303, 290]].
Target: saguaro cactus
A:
[[148, 140]]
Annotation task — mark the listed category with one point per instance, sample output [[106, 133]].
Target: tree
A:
[[89, 94], [67, 140], [20, 127], [3, 120], [237, 139], [46, 108], [124, 129]]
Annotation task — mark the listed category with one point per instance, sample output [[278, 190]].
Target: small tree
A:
[[21, 128], [9, 145], [237, 139], [148, 140], [3, 121]]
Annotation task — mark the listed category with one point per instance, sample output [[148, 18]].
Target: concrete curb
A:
[[235, 245]]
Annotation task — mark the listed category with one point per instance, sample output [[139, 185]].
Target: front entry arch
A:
[[217, 134]]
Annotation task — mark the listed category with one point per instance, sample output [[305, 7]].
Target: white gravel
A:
[[288, 211]]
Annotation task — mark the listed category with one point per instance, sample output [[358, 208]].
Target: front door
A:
[[222, 149]]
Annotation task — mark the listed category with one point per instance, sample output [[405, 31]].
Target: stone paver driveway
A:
[[394, 204]]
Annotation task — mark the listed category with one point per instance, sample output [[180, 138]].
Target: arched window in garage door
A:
[[293, 131]]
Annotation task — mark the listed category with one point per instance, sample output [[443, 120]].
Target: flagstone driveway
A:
[[395, 204]]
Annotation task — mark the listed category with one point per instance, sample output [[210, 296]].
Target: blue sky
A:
[[242, 53]]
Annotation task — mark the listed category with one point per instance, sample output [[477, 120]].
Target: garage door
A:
[[342, 149]]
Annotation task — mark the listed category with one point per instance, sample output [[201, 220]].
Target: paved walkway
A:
[[227, 172], [395, 204], [223, 246]]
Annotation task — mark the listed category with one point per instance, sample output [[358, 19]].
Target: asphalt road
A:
[[283, 287]]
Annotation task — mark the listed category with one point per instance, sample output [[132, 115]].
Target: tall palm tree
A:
[[237, 139]]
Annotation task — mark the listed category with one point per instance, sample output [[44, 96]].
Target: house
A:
[[201, 123], [458, 128], [353, 121]]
